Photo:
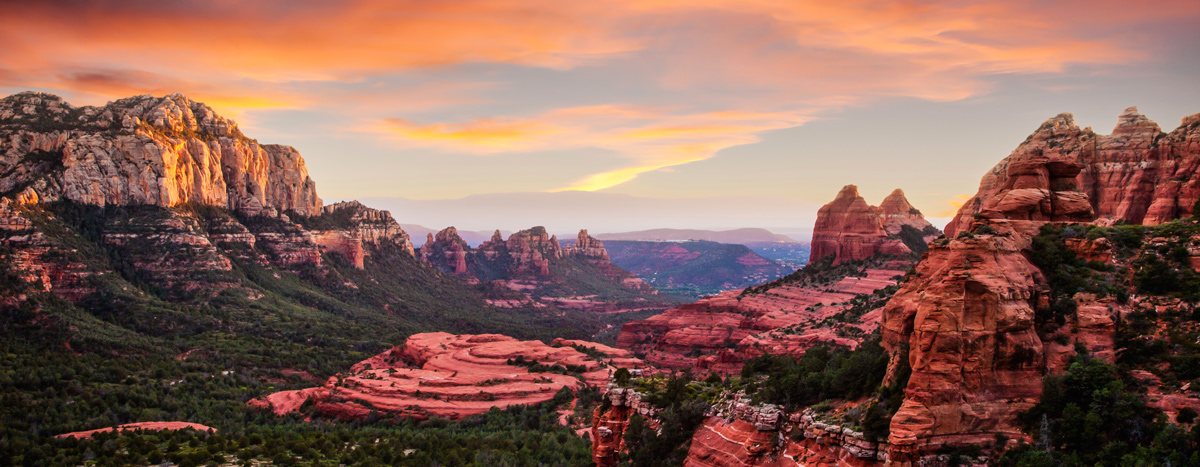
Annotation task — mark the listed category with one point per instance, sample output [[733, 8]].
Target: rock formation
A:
[[373, 226], [850, 229], [587, 246], [446, 251], [1136, 174], [179, 194], [452, 376], [531, 260], [144, 150], [360, 227], [897, 212], [967, 315]]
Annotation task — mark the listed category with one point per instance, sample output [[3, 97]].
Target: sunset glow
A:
[[648, 98]]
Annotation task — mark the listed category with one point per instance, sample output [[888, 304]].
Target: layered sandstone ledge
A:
[[453, 376], [719, 333], [152, 426]]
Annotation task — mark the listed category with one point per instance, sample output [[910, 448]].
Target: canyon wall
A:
[[143, 150]]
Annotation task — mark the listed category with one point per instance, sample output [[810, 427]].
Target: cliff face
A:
[[850, 229], [969, 314], [373, 226], [146, 151], [173, 192], [1137, 174]]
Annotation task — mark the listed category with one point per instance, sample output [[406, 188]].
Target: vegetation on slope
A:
[[142, 349]]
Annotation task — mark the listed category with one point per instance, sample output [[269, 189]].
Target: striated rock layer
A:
[[143, 150], [720, 332], [850, 229], [452, 376], [1137, 174]]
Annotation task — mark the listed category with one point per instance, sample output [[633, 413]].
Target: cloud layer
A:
[[658, 84]]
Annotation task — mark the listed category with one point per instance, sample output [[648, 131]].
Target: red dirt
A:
[[154, 426]]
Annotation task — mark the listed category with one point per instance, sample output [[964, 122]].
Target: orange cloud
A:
[[290, 40], [486, 135], [651, 139]]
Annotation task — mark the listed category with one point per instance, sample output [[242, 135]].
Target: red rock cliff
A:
[[967, 314], [1136, 174], [142, 150]]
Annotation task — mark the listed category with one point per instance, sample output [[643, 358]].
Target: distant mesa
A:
[[697, 268], [736, 236], [473, 237]]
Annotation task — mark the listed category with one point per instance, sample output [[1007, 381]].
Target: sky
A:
[[692, 114]]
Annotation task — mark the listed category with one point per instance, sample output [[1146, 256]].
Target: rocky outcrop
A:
[[587, 246], [372, 226], [529, 251], [520, 269], [143, 150], [348, 245], [1137, 174], [285, 243], [967, 317], [897, 212], [450, 376], [446, 251], [358, 230], [37, 257], [740, 433], [610, 420], [850, 229]]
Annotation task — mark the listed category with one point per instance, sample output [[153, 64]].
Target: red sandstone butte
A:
[[154, 426], [850, 229], [451, 376]]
